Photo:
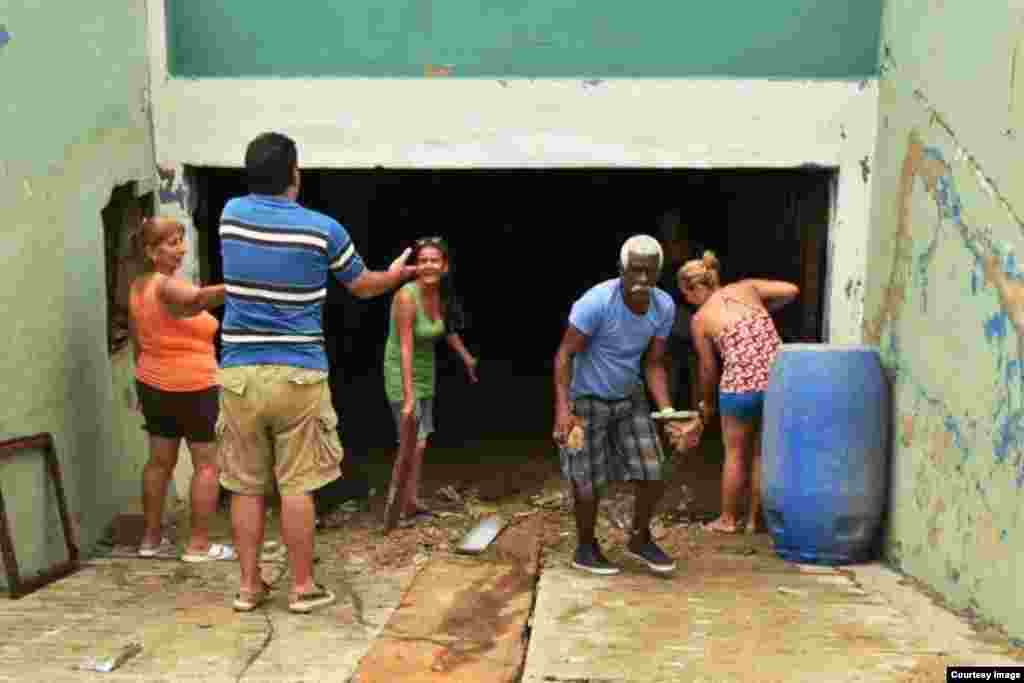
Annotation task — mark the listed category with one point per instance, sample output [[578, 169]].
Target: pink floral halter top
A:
[[748, 347]]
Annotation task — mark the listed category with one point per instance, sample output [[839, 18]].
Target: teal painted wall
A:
[[834, 39], [74, 119]]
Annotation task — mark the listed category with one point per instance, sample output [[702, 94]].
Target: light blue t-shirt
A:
[[609, 365]]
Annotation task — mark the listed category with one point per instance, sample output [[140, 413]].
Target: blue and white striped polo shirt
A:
[[276, 258]]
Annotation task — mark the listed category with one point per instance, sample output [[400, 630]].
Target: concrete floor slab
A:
[[733, 611], [731, 615], [181, 616]]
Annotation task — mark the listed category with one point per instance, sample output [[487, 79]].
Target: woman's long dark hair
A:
[[451, 305]]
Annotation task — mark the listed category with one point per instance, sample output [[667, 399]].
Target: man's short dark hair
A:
[[270, 161]]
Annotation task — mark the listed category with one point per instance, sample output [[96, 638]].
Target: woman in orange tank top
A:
[[175, 373]]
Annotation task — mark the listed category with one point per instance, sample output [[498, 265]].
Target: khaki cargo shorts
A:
[[276, 422]]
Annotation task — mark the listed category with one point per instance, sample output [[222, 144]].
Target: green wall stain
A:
[[834, 39]]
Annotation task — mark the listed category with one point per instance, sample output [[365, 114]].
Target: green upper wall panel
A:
[[833, 39]]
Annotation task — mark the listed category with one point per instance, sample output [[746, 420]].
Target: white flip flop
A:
[[217, 551], [165, 547]]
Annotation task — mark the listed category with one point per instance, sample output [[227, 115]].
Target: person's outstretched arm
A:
[[371, 283], [775, 293], [182, 299], [455, 342]]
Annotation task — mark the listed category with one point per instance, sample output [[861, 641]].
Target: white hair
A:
[[640, 245]]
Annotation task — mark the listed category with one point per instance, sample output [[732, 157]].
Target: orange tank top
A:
[[175, 354]]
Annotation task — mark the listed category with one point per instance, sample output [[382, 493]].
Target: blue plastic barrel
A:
[[824, 465]]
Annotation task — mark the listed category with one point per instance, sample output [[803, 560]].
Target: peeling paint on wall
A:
[[865, 168], [946, 307], [172, 189], [854, 289], [995, 328], [1000, 270], [5, 36], [994, 269], [434, 70], [908, 430]]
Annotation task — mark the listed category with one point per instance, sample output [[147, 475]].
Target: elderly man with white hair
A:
[[611, 328]]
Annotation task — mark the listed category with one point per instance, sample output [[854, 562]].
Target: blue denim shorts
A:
[[424, 412], [747, 406]]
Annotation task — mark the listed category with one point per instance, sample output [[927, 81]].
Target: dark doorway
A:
[[525, 244]]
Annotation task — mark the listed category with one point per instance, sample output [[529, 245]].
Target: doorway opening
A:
[[525, 244]]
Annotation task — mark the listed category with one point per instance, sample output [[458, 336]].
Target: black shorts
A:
[[174, 414]]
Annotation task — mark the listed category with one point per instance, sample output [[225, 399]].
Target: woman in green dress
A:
[[421, 313]]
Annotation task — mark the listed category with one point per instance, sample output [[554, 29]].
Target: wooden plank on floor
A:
[[462, 619]]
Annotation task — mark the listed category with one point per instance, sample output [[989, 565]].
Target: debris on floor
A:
[[684, 511], [108, 664], [450, 494], [549, 500], [273, 551], [617, 510], [480, 536], [737, 550]]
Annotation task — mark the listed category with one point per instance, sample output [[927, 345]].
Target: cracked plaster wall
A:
[[945, 295], [76, 125]]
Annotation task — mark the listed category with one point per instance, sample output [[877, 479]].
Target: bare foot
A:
[[721, 527]]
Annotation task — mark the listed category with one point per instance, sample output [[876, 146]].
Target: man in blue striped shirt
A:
[[276, 417]]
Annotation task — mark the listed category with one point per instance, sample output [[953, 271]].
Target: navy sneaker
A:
[[648, 552], [589, 558]]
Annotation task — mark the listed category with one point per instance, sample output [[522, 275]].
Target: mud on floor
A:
[[460, 494]]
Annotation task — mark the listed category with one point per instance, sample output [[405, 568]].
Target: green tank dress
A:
[[425, 334]]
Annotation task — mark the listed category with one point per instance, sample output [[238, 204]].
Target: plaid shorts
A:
[[620, 443]]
